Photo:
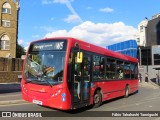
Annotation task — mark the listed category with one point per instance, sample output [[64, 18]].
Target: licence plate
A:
[[37, 102]]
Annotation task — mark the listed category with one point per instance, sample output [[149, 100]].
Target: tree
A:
[[20, 51]]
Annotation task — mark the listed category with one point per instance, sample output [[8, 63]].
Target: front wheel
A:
[[97, 100]]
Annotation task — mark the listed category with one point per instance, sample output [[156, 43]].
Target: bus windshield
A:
[[45, 66]]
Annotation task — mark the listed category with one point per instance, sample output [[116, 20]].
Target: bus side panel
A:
[[113, 89], [110, 89], [133, 86]]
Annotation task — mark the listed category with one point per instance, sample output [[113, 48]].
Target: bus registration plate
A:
[[37, 102]]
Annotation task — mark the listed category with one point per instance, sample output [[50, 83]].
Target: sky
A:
[[100, 22]]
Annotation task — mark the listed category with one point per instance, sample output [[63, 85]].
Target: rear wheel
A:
[[97, 100], [127, 90]]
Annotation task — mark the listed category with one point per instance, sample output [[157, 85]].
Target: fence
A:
[[10, 69]]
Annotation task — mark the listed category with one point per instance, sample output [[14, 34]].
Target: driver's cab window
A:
[[49, 62], [34, 63]]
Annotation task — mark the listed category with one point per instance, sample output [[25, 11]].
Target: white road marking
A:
[[10, 95], [15, 104]]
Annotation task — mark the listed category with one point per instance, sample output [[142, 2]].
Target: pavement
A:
[[149, 85], [10, 93]]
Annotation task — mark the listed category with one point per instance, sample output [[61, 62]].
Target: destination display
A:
[[48, 45]]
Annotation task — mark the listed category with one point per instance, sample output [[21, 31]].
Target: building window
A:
[[138, 40], [146, 58], [6, 8], [141, 28], [4, 43], [6, 23], [156, 59]]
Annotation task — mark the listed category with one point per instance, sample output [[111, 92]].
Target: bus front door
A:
[[81, 84]]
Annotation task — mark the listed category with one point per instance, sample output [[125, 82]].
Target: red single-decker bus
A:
[[66, 73]]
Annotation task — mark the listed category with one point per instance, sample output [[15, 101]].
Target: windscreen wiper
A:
[[28, 81], [48, 82]]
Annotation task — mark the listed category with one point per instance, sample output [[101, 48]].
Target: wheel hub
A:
[[96, 99]]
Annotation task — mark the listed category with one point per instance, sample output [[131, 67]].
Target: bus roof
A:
[[93, 48]]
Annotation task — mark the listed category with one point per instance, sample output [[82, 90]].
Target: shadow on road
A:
[[9, 91], [10, 88]]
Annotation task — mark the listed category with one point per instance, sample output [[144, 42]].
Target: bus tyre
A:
[[136, 91], [97, 100], [126, 92]]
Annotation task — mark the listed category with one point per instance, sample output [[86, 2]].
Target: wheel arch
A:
[[127, 85]]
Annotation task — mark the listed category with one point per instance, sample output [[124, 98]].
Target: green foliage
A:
[[36, 59], [20, 51]]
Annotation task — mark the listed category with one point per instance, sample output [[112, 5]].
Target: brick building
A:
[[9, 10]]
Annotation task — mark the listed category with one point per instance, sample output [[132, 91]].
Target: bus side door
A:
[[81, 82]]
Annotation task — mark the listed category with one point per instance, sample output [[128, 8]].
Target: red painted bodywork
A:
[[110, 89]]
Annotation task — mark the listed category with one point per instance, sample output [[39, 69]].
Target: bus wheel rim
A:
[[127, 92], [96, 99]]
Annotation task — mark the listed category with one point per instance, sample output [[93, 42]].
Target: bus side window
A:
[[102, 67], [136, 72], [120, 70], [98, 68], [133, 71], [127, 70], [110, 69]]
